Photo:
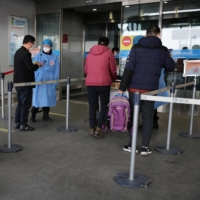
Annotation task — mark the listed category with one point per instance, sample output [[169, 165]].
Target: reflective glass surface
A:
[[136, 19], [181, 34], [48, 28]]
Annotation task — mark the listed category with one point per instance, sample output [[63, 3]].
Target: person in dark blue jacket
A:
[[142, 72]]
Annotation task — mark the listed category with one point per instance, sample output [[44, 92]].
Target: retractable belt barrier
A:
[[131, 179], [12, 148], [47, 82]]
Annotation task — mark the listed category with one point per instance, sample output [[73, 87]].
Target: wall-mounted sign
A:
[[186, 53], [65, 38], [192, 68], [65, 41], [126, 42], [18, 28]]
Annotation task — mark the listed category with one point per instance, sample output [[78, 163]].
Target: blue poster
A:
[[18, 28]]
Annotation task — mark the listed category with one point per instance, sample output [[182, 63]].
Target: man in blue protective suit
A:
[[45, 95]]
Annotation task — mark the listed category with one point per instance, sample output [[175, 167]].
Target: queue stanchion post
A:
[[168, 149], [131, 179], [190, 135], [10, 148], [67, 128], [2, 75]]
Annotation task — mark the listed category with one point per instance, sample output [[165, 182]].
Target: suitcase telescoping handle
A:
[[120, 95]]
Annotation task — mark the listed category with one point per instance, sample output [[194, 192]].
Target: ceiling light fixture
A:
[[94, 9], [127, 6]]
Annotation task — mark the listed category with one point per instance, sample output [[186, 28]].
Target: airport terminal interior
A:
[[59, 160]]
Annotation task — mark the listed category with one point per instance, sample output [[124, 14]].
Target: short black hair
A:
[[28, 38], [115, 49], [153, 30], [103, 41]]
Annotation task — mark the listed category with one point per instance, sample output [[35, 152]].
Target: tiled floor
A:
[[74, 166]]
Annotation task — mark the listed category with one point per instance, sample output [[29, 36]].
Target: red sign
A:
[[65, 38], [127, 41]]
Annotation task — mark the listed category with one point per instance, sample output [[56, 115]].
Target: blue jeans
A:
[[93, 93], [24, 98]]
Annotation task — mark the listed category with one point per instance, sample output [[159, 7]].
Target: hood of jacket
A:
[[98, 49], [150, 42]]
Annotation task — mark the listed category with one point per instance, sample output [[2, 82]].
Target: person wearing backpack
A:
[[142, 72], [100, 71]]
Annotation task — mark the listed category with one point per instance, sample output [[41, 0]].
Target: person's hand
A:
[[40, 64]]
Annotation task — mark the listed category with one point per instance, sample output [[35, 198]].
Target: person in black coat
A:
[[24, 72], [142, 72]]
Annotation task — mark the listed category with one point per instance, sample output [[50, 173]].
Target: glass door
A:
[[135, 20], [48, 27]]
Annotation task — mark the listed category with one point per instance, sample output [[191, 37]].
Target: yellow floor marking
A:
[[80, 102], [57, 114], [5, 130]]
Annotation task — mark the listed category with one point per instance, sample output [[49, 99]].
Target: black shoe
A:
[[17, 126], [26, 128], [47, 118], [128, 148], [145, 151]]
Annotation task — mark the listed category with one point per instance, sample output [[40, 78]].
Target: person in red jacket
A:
[[100, 71]]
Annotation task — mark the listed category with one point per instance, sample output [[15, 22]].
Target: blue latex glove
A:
[[53, 87]]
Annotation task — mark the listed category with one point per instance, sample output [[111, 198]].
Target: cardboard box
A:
[[115, 85]]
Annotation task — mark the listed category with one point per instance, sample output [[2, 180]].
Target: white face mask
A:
[[46, 49]]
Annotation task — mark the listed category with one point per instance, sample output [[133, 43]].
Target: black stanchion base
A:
[[138, 182], [86, 120], [14, 148], [70, 129], [188, 135], [171, 151]]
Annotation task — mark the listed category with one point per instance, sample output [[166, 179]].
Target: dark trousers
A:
[[93, 93], [147, 110], [24, 98], [46, 109]]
